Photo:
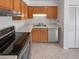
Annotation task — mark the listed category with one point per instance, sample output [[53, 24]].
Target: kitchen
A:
[[47, 23]]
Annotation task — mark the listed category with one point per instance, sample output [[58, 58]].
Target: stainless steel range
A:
[[12, 47]]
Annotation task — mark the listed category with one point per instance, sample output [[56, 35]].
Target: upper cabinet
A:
[[39, 10], [52, 12], [20, 7], [26, 11], [6, 4], [17, 5], [73, 2], [23, 8], [11, 4]]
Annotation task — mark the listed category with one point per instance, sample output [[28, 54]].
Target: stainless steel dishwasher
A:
[[52, 34]]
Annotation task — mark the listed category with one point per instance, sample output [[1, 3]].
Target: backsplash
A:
[[41, 19], [5, 21]]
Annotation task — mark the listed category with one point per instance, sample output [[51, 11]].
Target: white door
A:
[[71, 27], [77, 27]]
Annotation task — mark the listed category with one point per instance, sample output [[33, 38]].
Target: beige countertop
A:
[[47, 26]]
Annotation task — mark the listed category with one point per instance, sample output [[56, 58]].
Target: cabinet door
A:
[[16, 17], [17, 5], [77, 27], [71, 28], [52, 12], [26, 12], [22, 6], [6, 4], [36, 35], [44, 34], [30, 12]]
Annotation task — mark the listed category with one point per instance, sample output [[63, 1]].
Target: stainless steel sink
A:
[[40, 25]]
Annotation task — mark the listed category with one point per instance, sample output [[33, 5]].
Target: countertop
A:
[[48, 26]]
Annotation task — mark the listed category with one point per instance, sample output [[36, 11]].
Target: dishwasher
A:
[[52, 34]]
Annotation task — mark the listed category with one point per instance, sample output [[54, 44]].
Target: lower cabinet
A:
[[40, 35], [35, 35], [44, 35]]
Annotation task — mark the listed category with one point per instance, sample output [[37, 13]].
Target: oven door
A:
[[7, 47], [25, 53]]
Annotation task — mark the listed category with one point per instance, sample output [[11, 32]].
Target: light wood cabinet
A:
[[22, 7], [16, 17], [11, 4], [30, 12], [37, 10], [36, 35], [52, 12], [44, 35], [40, 35], [26, 12], [23, 10], [6, 4], [17, 5]]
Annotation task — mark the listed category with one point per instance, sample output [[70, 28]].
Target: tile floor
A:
[[52, 51]]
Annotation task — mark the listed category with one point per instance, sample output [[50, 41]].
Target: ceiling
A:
[[42, 2]]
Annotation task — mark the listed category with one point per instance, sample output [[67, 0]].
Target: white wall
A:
[[66, 18], [5, 21], [63, 19]]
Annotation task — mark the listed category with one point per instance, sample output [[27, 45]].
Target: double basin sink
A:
[[40, 25]]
